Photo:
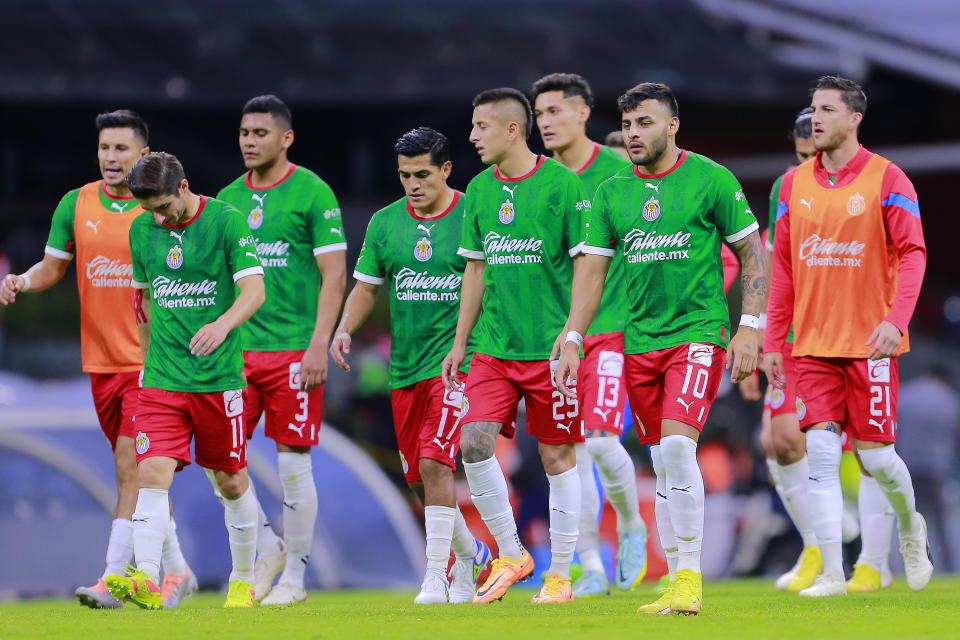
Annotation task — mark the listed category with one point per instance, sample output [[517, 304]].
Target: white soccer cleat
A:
[[284, 593], [265, 570], [465, 574], [915, 550], [97, 596], [826, 584], [784, 580], [434, 589]]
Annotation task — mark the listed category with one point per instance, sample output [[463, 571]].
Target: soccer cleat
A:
[[864, 578], [239, 594], [97, 596], [503, 573], [434, 589], [591, 583], [915, 550], [826, 584], [136, 587], [175, 588], [265, 570], [687, 593], [285, 593], [811, 565], [555, 589], [661, 605], [632, 559], [465, 573]]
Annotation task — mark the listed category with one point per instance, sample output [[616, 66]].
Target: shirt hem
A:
[[58, 253], [363, 277], [743, 233], [470, 254], [249, 271], [596, 251], [330, 248]]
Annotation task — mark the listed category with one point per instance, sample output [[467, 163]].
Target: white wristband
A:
[[746, 320], [26, 283], [763, 321], [574, 336]]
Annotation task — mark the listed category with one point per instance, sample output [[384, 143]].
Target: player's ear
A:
[[184, 187], [286, 139], [856, 119], [674, 125], [584, 113], [144, 151], [445, 169]]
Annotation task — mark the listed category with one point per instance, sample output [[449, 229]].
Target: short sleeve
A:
[[731, 212], [575, 214], [471, 245], [139, 279], [599, 238], [370, 268], [774, 205], [326, 224], [241, 247], [61, 243]]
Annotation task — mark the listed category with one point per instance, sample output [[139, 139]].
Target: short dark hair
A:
[[850, 92], [123, 119], [649, 91], [423, 140], [155, 174], [273, 105], [508, 93], [802, 124], [571, 84], [615, 139]]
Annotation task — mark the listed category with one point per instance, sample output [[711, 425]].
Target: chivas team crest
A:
[[423, 250], [255, 219], [143, 442], [651, 209], [856, 205], [175, 257], [506, 212]]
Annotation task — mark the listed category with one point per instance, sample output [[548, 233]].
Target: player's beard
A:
[[655, 149], [829, 143]]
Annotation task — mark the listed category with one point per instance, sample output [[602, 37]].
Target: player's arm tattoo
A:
[[753, 260], [478, 440]]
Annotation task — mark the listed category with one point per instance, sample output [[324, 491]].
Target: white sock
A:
[[267, 541], [119, 547], [488, 489], [685, 498], [240, 516], [826, 497], [619, 479], [463, 543], [892, 475], [299, 512], [564, 517], [876, 524], [795, 480], [438, 522], [173, 560], [668, 540], [150, 523], [588, 544]]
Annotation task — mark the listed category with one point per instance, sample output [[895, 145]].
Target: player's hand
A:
[[558, 344], [208, 338], [564, 370], [313, 368], [9, 287], [451, 366], [885, 340], [773, 368], [750, 388], [339, 348], [742, 353]]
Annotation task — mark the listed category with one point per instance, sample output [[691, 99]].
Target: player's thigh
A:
[[440, 428], [293, 417], [872, 392], [690, 383], [489, 394], [601, 391], [255, 363], [108, 404], [552, 418], [643, 377], [821, 391], [164, 427], [220, 441]]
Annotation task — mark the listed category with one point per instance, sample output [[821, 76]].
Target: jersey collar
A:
[[847, 172], [496, 172], [593, 156], [246, 179], [103, 189], [203, 203], [453, 203], [647, 176]]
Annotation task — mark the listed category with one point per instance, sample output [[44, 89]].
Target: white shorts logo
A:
[[294, 379], [879, 370], [143, 442], [232, 403], [700, 354], [403, 463], [778, 397], [610, 363], [801, 409]]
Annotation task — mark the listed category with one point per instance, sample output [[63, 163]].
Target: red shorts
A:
[[601, 391], [860, 394], [166, 420], [784, 401], [495, 386], [426, 418], [115, 397], [679, 383], [273, 387]]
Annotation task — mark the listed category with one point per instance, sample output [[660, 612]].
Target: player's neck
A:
[[270, 175], [664, 163], [193, 205], [441, 204], [118, 191], [577, 154], [836, 159], [518, 162]]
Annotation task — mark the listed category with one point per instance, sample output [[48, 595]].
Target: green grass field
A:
[[741, 609]]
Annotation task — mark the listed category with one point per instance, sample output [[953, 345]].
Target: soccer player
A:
[[522, 226], [411, 245], [664, 219], [295, 220], [561, 105], [848, 261], [93, 222], [188, 251]]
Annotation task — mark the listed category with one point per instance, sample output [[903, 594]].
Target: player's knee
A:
[[557, 458], [676, 450], [880, 463], [789, 445], [599, 446], [823, 454], [432, 470], [232, 485], [473, 444]]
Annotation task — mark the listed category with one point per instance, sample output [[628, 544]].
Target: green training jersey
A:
[[190, 271], [525, 230], [611, 314], [417, 259], [772, 226], [293, 221], [667, 231]]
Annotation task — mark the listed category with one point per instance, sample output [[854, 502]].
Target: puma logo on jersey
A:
[[602, 414], [259, 199], [509, 190], [655, 187], [565, 427], [294, 427], [685, 405], [178, 236], [808, 205], [119, 207], [94, 226], [426, 230], [878, 425], [337, 230]]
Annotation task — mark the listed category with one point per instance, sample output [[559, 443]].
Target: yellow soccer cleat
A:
[[239, 594], [687, 593], [864, 578], [661, 605], [135, 587], [811, 565], [556, 588], [503, 573]]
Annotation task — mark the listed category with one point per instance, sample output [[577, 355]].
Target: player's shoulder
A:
[[391, 213], [623, 177], [551, 168], [215, 208], [238, 184], [612, 157], [704, 164], [305, 178], [142, 222]]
